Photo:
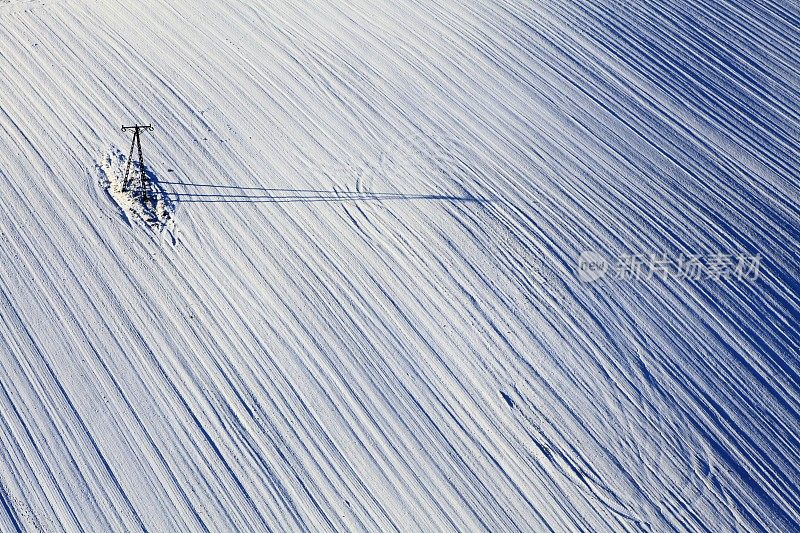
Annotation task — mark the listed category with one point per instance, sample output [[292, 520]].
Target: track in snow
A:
[[372, 316]]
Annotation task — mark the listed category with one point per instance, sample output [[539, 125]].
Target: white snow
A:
[[149, 205], [352, 301]]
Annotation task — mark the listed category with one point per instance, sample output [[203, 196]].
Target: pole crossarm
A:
[[148, 127]]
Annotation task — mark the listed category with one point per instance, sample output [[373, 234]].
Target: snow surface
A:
[[358, 305]]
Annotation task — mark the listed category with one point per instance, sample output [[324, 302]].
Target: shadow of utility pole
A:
[[234, 194]]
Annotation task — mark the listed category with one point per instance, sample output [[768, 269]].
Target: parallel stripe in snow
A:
[[370, 318]]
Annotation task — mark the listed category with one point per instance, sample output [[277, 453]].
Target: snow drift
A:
[[368, 311]]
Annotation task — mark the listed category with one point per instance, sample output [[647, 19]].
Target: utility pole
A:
[[137, 142]]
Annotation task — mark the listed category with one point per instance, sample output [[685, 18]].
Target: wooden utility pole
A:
[[137, 142]]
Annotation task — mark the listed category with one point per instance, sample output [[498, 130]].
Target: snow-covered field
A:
[[355, 300]]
